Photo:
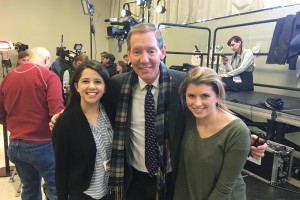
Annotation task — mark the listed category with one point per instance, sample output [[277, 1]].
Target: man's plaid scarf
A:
[[116, 180]]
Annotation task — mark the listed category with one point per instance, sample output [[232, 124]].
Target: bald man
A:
[[29, 96]]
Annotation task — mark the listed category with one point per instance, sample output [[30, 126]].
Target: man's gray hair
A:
[[143, 28]]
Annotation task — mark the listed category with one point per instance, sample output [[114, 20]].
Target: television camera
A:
[[68, 56], [121, 33], [20, 46]]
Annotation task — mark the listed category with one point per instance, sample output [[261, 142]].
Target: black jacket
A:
[[75, 152], [176, 120], [112, 69], [285, 30]]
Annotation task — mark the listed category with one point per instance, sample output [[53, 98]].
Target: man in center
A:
[[131, 176]]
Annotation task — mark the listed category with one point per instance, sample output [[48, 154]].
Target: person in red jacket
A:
[[29, 96]]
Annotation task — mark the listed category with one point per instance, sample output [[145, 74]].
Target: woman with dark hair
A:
[[238, 73], [82, 137], [121, 67]]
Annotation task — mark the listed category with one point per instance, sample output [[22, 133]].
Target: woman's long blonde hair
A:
[[207, 76]]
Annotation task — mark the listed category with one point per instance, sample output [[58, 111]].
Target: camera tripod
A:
[[5, 65]]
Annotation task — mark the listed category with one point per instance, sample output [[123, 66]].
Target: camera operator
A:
[[61, 63], [23, 57], [102, 54], [109, 63], [56, 66]]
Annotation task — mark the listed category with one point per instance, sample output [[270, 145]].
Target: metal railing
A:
[[191, 53]]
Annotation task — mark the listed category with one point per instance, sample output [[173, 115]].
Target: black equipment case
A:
[[275, 166]]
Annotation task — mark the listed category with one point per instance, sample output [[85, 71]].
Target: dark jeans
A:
[[143, 186], [245, 85]]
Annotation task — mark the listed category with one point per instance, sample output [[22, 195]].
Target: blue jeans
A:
[[34, 161]]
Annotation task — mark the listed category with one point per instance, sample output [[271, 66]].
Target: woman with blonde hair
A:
[[215, 144]]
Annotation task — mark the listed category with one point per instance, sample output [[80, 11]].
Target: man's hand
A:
[[53, 119], [259, 151]]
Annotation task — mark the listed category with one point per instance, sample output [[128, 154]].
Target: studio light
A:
[[160, 8], [4, 45], [88, 7], [140, 2], [126, 12]]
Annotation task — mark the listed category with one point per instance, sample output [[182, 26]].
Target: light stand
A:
[[5, 171], [4, 46], [88, 9], [3, 72], [149, 4], [92, 31]]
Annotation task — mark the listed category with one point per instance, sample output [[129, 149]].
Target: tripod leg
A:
[[18, 193]]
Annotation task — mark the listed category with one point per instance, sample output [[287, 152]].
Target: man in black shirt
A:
[[109, 63]]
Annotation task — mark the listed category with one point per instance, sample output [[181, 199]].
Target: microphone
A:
[[111, 20], [118, 23], [62, 40]]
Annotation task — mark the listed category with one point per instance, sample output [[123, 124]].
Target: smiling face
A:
[[201, 100], [90, 87], [145, 55]]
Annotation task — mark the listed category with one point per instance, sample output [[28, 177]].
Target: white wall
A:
[[183, 39], [41, 23]]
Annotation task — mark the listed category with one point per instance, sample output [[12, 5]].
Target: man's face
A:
[[145, 56], [102, 57], [105, 61], [126, 59], [23, 60]]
